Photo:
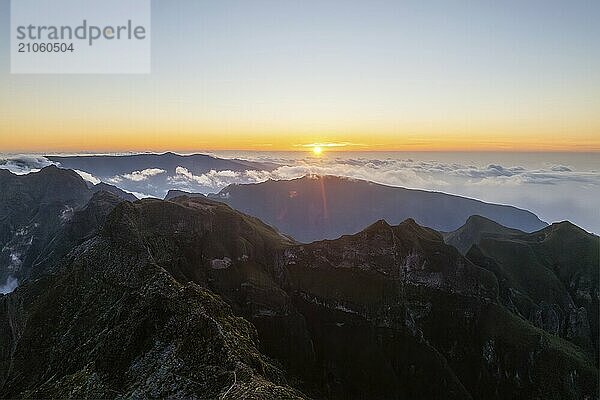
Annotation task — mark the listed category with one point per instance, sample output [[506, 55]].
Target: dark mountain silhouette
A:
[[114, 190], [171, 194], [191, 298], [109, 166], [155, 174], [549, 277], [34, 208], [326, 207]]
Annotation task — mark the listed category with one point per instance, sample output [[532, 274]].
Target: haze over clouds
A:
[[555, 190]]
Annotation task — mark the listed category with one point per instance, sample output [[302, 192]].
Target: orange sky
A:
[[65, 114], [75, 135]]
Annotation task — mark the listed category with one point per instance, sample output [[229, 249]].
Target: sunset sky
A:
[[368, 75]]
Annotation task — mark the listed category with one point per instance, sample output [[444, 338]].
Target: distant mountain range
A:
[[309, 208], [171, 194], [112, 165], [155, 174], [326, 207]]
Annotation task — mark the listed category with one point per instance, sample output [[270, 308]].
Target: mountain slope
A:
[[390, 312], [34, 208], [171, 194], [114, 190], [550, 277], [112, 323], [326, 207], [402, 283]]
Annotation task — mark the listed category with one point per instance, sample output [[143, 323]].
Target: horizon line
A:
[[303, 150]]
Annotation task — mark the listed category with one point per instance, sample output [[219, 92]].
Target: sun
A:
[[317, 150]]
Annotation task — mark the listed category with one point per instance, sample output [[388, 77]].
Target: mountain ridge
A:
[[326, 207], [304, 299], [549, 277]]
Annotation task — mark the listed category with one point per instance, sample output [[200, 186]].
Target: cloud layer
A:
[[430, 175], [138, 176], [23, 163], [566, 189]]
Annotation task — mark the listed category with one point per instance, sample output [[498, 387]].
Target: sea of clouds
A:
[[555, 191]]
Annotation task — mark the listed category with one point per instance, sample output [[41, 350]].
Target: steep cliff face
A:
[[152, 306], [34, 208], [110, 322], [388, 286]]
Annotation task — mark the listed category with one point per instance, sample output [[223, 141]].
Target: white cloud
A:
[[212, 179], [140, 195], [88, 177], [138, 176], [21, 164], [10, 285]]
